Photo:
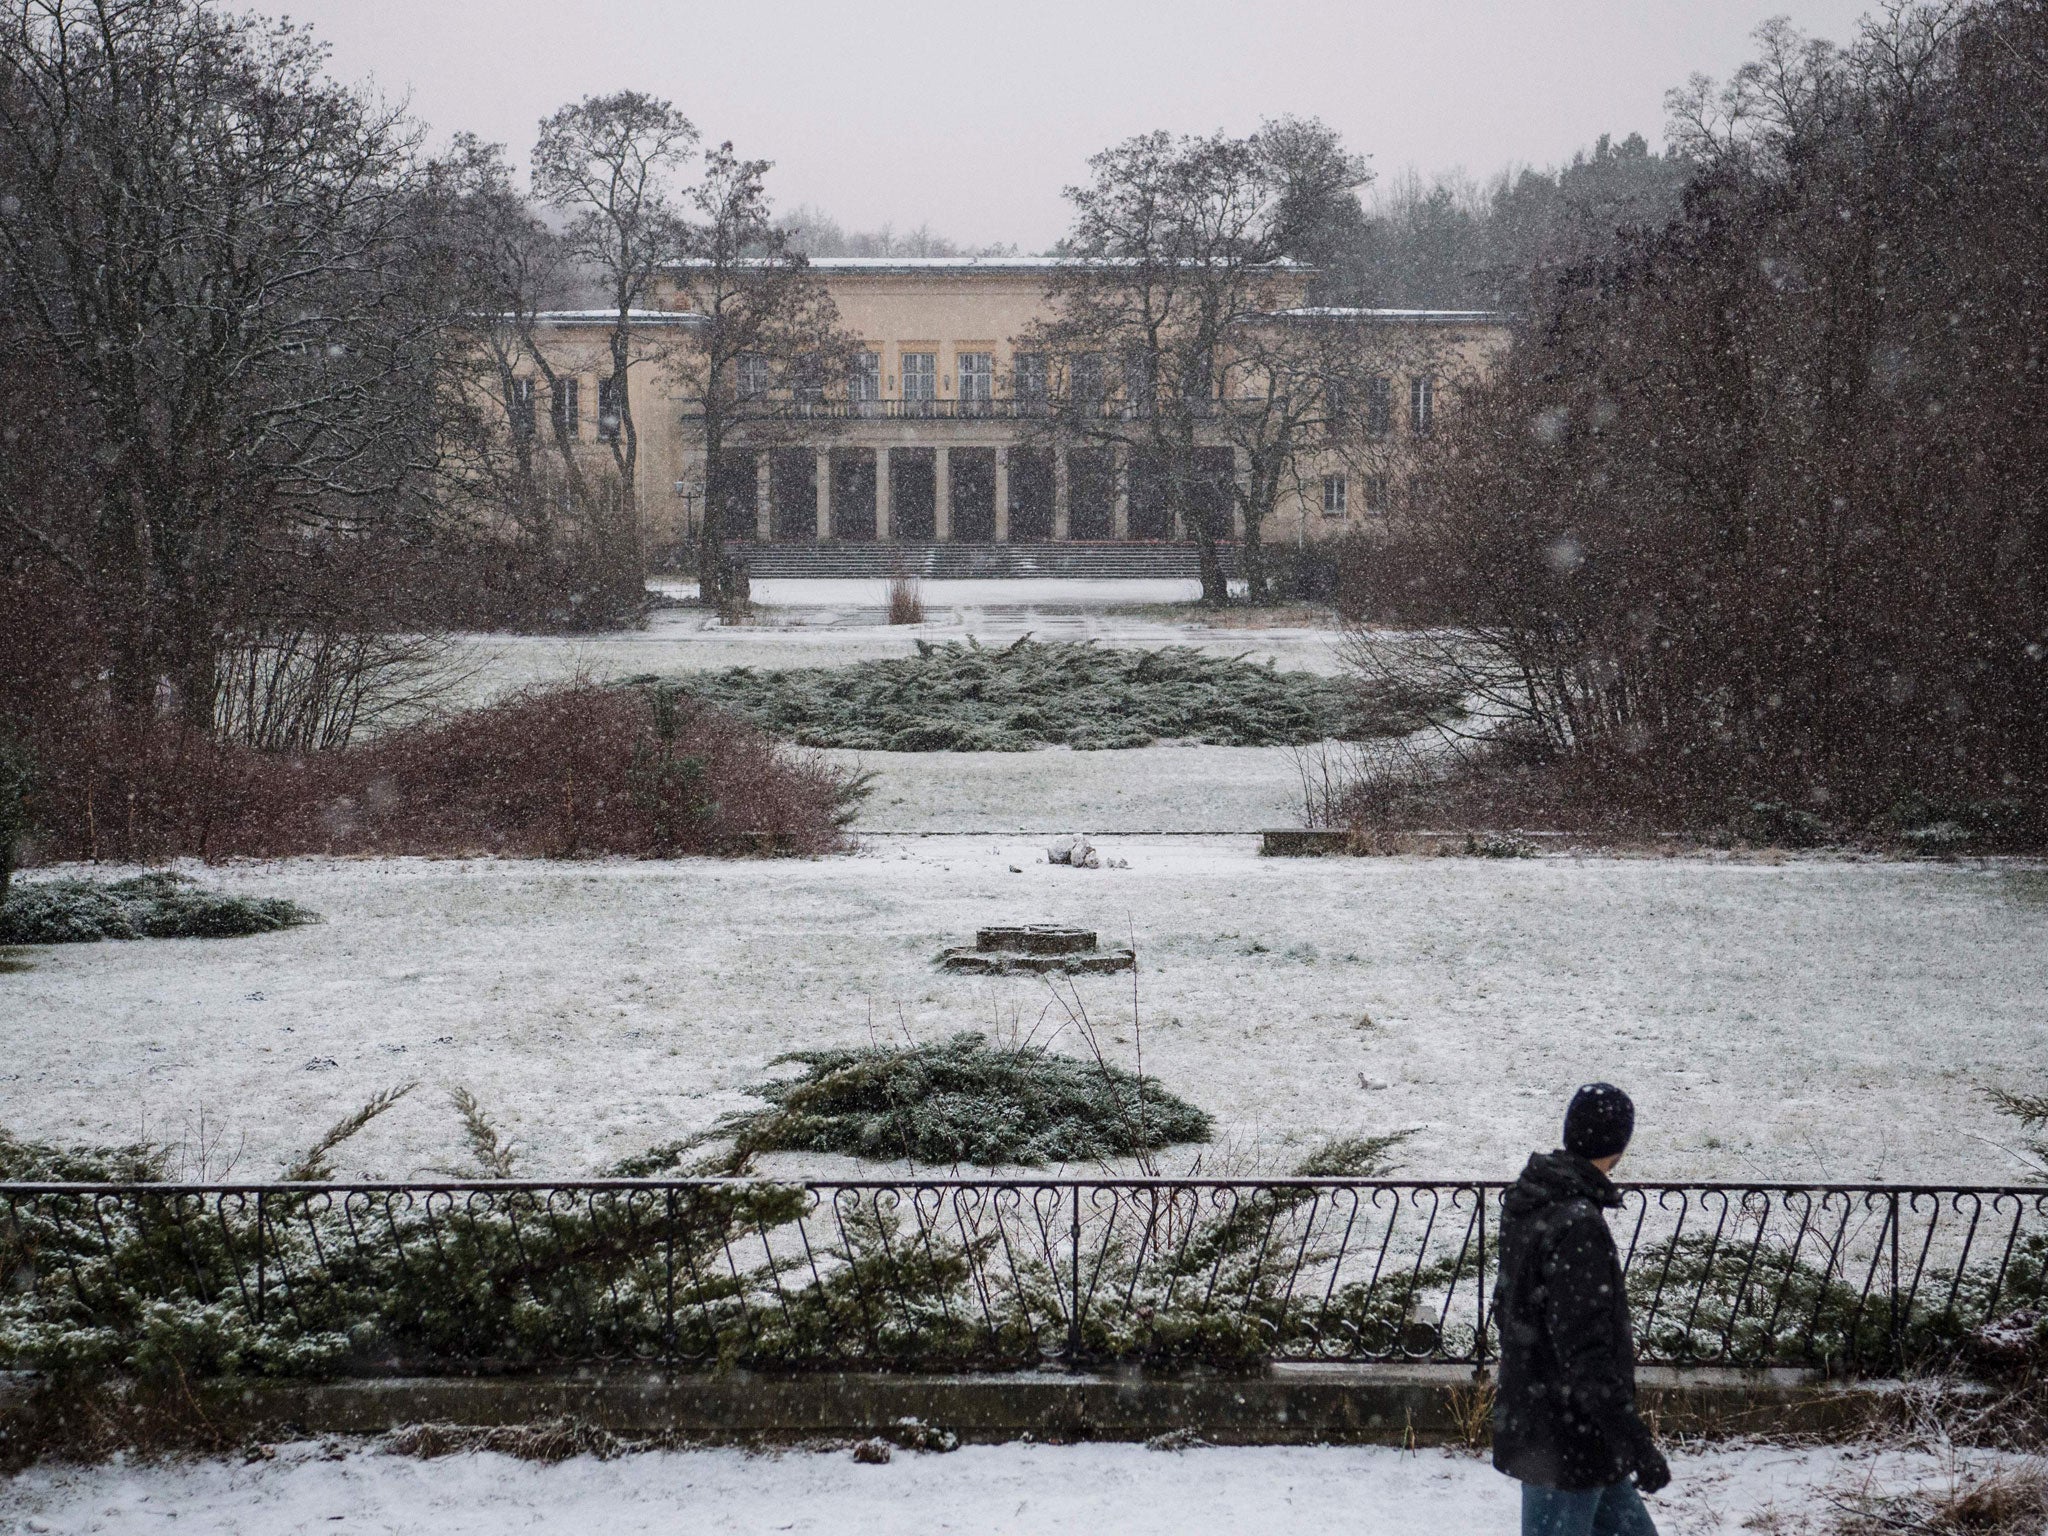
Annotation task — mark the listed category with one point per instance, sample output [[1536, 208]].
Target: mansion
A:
[[938, 434]]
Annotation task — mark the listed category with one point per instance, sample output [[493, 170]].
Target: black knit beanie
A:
[[1599, 1122]]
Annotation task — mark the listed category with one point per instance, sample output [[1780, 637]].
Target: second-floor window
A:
[[563, 407], [1376, 494], [609, 408], [1421, 404], [920, 375], [864, 382], [1140, 392], [807, 381], [752, 376], [1089, 386], [522, 407], [1379, 406], [1031, 377], [977, 378], [1336, 496]]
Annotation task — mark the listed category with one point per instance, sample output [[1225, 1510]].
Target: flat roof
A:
[[605, 316], [1396, 316], [910, 265]]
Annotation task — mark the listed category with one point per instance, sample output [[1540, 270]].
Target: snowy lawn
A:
[[1100, 1490], [1183, 788], [1814, 1019]]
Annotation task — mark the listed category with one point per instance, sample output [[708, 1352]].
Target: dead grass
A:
[[2010, 1499], [906, 599]]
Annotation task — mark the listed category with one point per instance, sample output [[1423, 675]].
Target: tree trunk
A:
[[625, 569], [1256, 589], [711, 592]]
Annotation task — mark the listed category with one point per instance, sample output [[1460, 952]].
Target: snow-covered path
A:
[[1014, 1490], [1816, 1019]]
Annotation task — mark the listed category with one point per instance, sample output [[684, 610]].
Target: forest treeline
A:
[[1755, 511]]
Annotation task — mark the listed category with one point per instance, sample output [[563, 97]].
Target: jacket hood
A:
[[1552, 1178]]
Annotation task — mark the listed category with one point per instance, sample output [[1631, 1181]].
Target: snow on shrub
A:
[[159, 905], [961, 698], [963, 1101]]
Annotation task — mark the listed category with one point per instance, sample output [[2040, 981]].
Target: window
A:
[[563, 407], [1376, 494], [864, 382], [977, 381], [920, 377], [807, 380], [522, 407], [752, 376], [610, 407], [1336, 493], [1379, 406], [1088, 384], [1141, 394], [1421, 404], [1031, 377]]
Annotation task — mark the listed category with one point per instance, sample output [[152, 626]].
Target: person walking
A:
[[1564, 1417]]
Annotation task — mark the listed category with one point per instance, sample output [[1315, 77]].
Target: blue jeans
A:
[[1616, 1510]]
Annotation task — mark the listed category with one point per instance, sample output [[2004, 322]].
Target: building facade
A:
[[938, 432]]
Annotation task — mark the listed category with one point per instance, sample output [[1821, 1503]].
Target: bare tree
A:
[[1183, 242], [610, 163], [1754, 512], [765, 348], [219, 249], [1306, 391]]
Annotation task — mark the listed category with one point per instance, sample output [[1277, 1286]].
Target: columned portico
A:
[[1002, 495]]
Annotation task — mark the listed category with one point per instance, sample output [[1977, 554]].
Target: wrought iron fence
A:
[[971, 1273]]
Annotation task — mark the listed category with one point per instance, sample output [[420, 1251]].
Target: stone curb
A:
[[1282, 1405]]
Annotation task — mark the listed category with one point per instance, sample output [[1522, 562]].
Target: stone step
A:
[[969, 562]]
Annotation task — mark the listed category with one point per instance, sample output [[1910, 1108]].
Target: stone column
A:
[[1241, 465], [1062, 508], [824, 493], [764, 499], [942, 494], [1002, 495], [881, 493], [1121, 527]]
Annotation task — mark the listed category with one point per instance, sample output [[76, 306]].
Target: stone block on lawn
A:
[[1041, 948]]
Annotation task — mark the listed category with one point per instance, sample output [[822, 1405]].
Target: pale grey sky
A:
[[971, 116]]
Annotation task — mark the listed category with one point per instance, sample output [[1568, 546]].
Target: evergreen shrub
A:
[[158, 905], [963, 1101], [962, 698]]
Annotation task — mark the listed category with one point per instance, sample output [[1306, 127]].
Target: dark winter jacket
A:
[[1564, 1415]]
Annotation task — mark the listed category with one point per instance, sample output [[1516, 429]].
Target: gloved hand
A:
[[1653, 1472]]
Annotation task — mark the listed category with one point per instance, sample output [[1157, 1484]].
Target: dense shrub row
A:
[[961, 698], [550, 772]]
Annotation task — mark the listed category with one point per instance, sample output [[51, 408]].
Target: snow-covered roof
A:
[[606, 316], [914, 265], [1395, 316]]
